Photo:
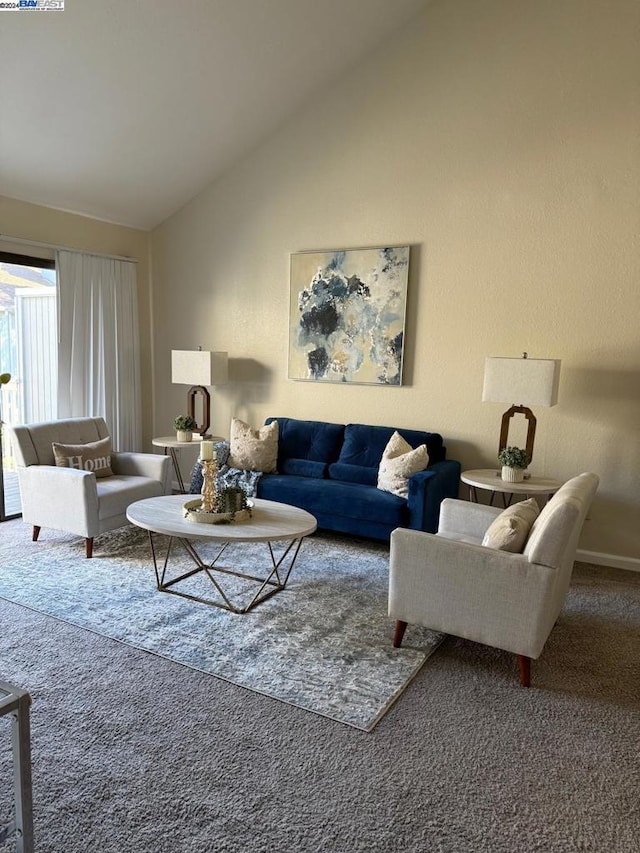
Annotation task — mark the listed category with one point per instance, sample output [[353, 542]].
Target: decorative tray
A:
[[193, 512]]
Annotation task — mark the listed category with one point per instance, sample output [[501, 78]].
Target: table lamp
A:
[[529, 382], [199, 368]]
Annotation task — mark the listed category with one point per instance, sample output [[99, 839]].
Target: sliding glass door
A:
[[28, 351]]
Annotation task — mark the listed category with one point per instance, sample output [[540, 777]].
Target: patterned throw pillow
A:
[[509, 530], [399, 461], [254, 450], [95, 457]]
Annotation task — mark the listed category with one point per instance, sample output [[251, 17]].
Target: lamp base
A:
[[192, 393], [531, 432]]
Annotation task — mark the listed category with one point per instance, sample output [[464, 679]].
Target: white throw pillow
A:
[[399, 461], [509, 530], [253, 450]]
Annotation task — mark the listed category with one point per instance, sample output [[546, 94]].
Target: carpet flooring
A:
[[136, 754], [323, 644]]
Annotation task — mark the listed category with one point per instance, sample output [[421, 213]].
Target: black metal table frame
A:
[[507, 497], [176, 467], [16, 702], [275, 581]]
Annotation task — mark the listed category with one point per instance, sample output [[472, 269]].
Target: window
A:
[[28, 351]]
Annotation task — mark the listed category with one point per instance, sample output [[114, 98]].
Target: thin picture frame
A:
[[347, 312]]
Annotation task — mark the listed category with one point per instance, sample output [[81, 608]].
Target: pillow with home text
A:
[[94, 457]]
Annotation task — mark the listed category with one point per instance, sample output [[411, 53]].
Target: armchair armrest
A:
[[62, 498], [152, 465], [427, 490]]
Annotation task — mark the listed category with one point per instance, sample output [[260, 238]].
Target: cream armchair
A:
[[75, 500], [450, 582]]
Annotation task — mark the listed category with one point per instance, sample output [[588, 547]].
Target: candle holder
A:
[[209, 490], [217, 506]]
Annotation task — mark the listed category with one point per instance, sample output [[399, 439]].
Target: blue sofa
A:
[[331, 470]]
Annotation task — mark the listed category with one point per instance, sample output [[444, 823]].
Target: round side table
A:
[[171, 445], [491, 480]]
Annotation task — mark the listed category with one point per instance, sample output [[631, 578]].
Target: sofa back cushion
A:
[[353, 473], [33, 443], [314, 441], [364, 445]]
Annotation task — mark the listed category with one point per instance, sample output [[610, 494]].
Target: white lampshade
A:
[[522, 381], [199, 367]]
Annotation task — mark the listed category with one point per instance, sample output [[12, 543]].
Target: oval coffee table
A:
[[270, 522]]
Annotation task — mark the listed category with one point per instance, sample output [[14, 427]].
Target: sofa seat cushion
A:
[[118, 492], [335, 498], [303, 468]]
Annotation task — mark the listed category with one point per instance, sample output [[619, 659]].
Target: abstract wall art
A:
[[347, 314]]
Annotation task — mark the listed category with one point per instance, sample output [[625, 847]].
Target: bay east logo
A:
[[41, 5], [31, 5]]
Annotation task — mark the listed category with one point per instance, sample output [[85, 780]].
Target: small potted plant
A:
[[514, 460], [185, 426]]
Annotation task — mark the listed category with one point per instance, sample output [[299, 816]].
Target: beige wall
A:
[[501, 140], [32, 222]]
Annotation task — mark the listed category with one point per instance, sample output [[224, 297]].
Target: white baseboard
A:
[[632, 564]]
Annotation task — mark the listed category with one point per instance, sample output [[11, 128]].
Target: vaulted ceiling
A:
[[124, 110]]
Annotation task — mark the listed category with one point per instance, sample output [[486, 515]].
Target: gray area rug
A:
[[323, 644]]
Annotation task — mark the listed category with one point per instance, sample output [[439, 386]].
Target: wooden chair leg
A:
[[401, 627], [36, 533], [524, 665], [88, 543]]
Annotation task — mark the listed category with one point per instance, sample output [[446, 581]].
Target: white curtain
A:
[[98, 344]]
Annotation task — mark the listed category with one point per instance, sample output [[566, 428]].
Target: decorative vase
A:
[[184, 435], [512, 475]]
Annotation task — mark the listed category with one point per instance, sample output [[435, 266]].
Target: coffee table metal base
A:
[[273, 580]]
